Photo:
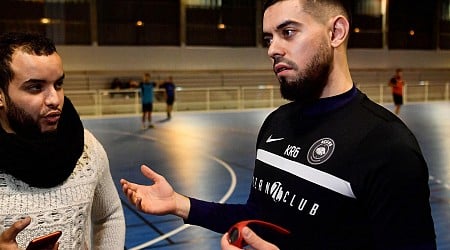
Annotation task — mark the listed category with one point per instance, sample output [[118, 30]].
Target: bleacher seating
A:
[[95, 80], [203, 90]]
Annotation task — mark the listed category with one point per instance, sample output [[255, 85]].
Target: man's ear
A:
[[340, 31]]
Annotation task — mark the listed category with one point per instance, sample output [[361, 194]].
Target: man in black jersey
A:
[[334, 168]]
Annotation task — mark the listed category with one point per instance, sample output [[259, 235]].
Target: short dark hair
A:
[[344, 5], [269, 3], [30, 43]]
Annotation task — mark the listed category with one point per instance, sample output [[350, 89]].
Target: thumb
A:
[[147, 172], [255, 241], [150, 174], [11, 233]]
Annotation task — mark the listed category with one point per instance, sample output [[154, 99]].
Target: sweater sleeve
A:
[[107, 214]]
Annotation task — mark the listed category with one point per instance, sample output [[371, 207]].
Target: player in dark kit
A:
[[332, 167]]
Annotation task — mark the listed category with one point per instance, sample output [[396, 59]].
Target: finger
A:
[[130, 196], [224, 242], [124, 182], [11, 233], [138, 203], [128, 193], [255, 241], [149, 173], [129, 186], [124, 187]]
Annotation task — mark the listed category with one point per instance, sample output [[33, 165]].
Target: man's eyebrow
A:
[[267, 34], [32, 80], [281, 26], [61, 78], [286, 23]]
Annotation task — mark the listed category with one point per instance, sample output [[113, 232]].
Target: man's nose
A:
[[275, 49], [53, 97]]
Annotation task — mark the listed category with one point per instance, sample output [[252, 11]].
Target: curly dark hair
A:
[[30, 43]]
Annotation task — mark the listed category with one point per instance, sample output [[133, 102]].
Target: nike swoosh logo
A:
[[270, 139]]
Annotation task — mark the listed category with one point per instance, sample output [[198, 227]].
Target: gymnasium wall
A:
[[96, 58]]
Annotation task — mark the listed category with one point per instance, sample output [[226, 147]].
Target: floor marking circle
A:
[[185, 226]]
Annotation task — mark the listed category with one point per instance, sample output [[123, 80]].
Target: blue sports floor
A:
[[209, 155]]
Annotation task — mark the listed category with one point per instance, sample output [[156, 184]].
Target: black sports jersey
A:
[[346, 176]]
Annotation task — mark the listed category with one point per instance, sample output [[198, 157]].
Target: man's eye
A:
[[59, 85], [288, 33], [35, 88], [267, 41]]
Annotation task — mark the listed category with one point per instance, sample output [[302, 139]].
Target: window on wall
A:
[[221, 23], [412, 25], [204, 3], [65, 22], [444, 25], [367, 24], [392, 24], [138, 22]]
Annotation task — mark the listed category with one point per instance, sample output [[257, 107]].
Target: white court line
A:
[[185, 226]]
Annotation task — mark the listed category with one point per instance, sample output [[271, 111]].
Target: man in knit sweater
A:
[[334, 168], [54, 175]]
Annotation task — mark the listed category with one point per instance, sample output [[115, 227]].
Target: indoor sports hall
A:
[[209, 155], [216, 53]]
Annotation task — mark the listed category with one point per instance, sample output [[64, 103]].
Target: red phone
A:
[[47, 241], [235, 236]]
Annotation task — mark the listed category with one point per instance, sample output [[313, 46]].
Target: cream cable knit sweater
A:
[[86, 205]]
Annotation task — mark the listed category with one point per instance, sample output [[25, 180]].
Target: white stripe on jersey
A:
[[308, 173]]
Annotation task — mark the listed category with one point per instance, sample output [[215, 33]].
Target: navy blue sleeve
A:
[[220, 217], [217, 216]]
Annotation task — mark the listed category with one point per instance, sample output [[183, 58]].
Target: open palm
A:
[[158, 198]]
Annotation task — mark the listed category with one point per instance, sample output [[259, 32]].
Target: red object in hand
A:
[[47, 241], [235, 235]]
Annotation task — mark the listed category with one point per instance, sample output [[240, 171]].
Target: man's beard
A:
[[21, 122], [308, 85]]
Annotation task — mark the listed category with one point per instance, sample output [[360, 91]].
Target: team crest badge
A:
[[321, 151]]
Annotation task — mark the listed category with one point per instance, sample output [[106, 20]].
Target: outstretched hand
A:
[[253, 240], [8, 237], [158, 198]]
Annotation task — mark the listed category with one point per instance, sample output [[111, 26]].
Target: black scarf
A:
[[45, 161]]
